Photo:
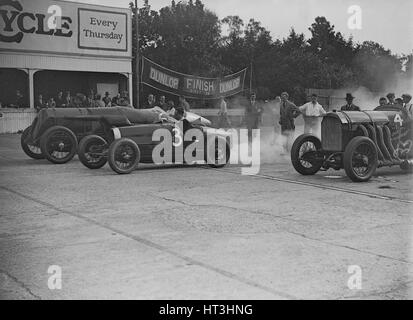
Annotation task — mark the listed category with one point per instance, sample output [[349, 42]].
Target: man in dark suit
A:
[[288, 112], [252, 115], [350, 106]]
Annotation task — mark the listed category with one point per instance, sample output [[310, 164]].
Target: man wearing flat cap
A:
[[288, 112], [350, 106], [407, 98]]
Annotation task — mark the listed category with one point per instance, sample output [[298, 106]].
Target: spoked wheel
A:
[[29, 148], [93, 152], [360, 159], [218, 152], [58, 144], [305, 154], [124, 156]]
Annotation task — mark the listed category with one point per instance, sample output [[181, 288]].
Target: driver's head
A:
[[399, 101], [383, 101], [179, 113], [406, 97]]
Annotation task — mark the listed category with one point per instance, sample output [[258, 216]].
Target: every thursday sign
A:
[[102, 30]]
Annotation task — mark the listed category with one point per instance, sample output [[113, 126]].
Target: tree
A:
[[187, 39]]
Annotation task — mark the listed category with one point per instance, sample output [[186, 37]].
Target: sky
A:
[[389, 23]]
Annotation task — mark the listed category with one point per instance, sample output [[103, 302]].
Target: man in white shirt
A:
[[312, 111]]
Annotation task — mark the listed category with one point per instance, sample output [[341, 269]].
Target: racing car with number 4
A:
[[359, 142]]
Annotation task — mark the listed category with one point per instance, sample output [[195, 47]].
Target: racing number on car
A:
[[177, 134], [398, 119]]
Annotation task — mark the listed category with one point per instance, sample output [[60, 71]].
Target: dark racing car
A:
[[56, 133], [359, 142], [165, 141]]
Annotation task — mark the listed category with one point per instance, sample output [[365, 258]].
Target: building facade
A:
[[51, 46]]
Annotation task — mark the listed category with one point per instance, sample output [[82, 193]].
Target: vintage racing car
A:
[[359, 142], [55, 133], [127, 146]]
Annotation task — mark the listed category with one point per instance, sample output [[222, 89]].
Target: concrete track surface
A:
[[180, 232]]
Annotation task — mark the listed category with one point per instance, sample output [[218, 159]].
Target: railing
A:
[[14, 120]]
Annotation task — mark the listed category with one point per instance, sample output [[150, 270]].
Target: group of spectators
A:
[[81, 100]]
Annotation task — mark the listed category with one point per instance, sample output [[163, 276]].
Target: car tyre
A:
[[360, 159], [305, 167], [93, 144], [31, 150], [124, 156], [58, 144]]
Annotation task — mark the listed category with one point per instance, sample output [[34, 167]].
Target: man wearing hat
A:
[[390, 96], [350, 106], [407, 98]]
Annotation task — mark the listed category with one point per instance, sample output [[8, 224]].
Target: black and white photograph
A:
[[219, 152]]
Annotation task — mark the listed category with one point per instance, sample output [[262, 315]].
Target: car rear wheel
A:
[[218, 152], [360, 159], [30, 149], [58, 144], [304, 154], [93, 152], [124, 156]]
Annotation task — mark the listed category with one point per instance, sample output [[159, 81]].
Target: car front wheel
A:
[[93, 152], [360, 159], [124, 156], [30, 149], [305, 154], [58, 144]]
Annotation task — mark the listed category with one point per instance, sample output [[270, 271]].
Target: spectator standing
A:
[[116, 100], [60, 101], [150, 102], [52, 103], [350, 106], [252, 115], [19, 100], [223, 114], [275, 108], [288, 112], [107, 100], [184, 104], [40, 103], [99, 103], [68, 101], [312, 111], [407, 98], [162, 103], [124, 100]]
